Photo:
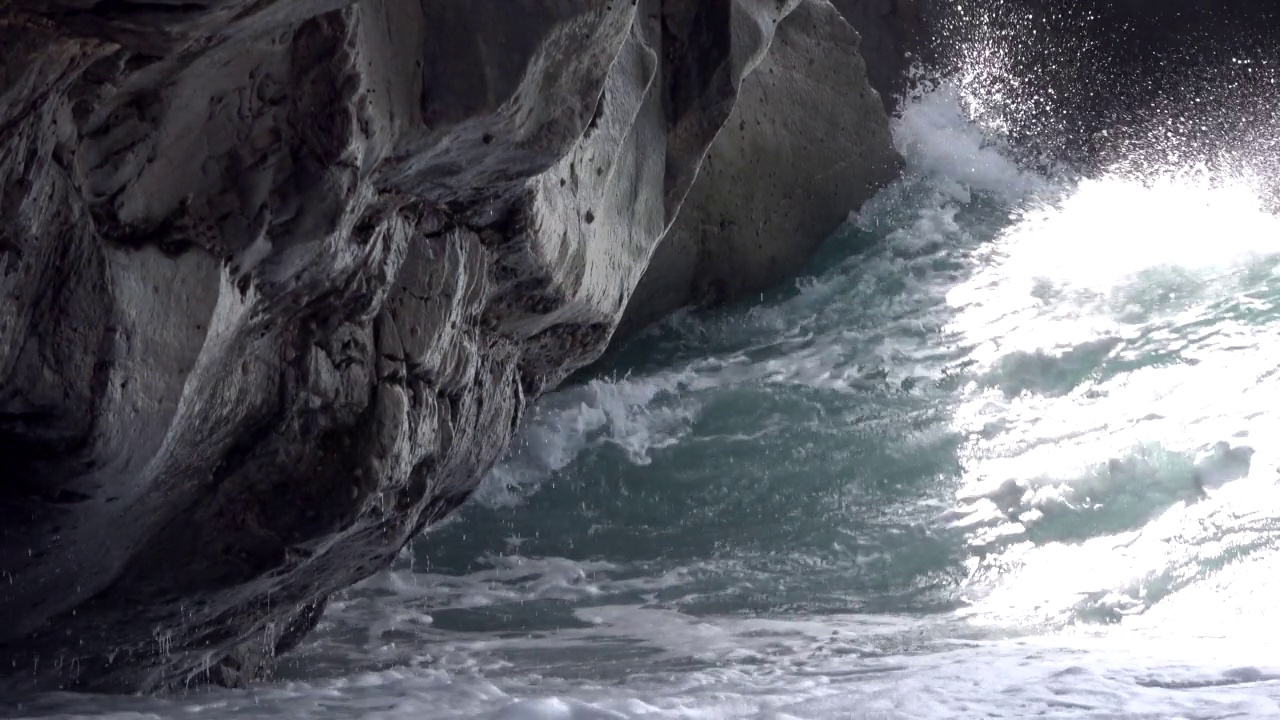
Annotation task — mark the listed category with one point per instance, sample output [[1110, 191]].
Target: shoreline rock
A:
[[278, 280], [807, 142]]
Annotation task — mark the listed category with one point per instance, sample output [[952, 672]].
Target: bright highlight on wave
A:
[[1098, 482]]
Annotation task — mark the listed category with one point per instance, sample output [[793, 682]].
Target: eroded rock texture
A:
[[807, 142], [277, 280]]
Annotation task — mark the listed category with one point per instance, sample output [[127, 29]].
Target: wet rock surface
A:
[[277, 281]]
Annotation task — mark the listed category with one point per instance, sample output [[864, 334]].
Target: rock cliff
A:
[[278, 279], [807, 142]]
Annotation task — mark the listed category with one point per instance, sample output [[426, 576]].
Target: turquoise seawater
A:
[[1007, 448]]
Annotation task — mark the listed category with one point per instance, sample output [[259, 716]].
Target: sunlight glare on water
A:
[[1065, 419]]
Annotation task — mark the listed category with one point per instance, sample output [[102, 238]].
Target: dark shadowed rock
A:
[[807, 142], [278, 279], [895, 34]]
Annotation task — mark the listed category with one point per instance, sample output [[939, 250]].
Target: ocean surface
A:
[[1006, 449]]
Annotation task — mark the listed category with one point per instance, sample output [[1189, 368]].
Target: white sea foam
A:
[[621, 413]]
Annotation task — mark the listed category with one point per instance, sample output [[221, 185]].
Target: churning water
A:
[[1008, 449]]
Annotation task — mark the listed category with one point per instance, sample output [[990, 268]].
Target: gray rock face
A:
[[807, 142], [277, 280]]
